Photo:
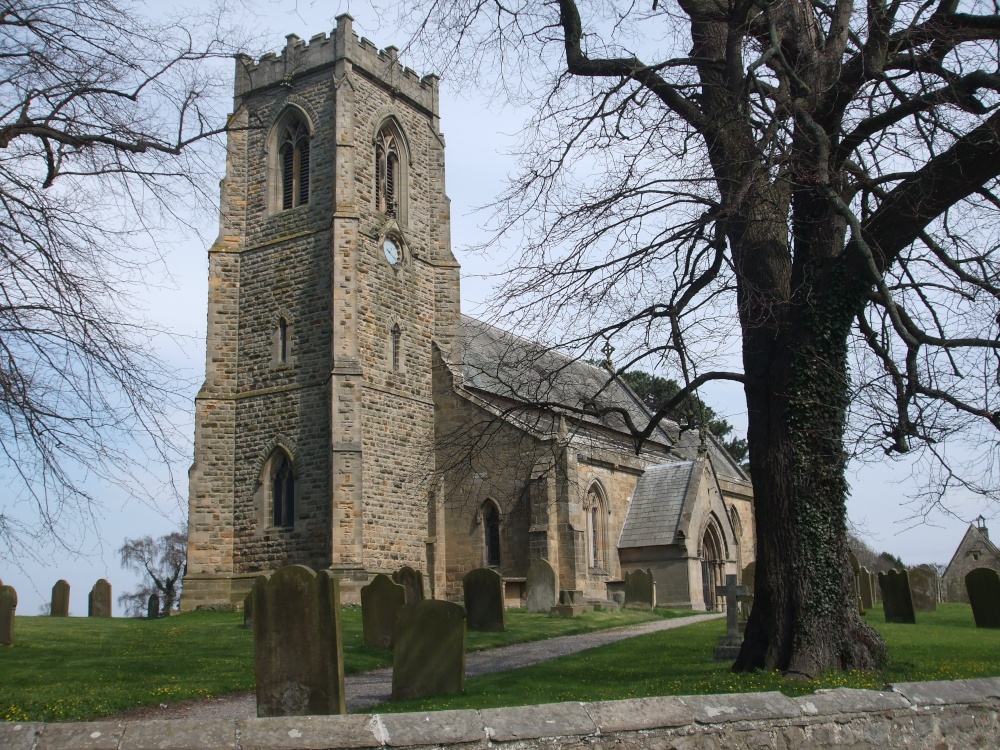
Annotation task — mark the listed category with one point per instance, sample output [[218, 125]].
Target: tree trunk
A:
[[805, 617]]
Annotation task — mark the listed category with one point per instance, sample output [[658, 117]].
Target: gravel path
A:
[[371, 688]]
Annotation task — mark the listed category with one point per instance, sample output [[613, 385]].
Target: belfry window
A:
[[282, 492], [388, 178], [293, 157]]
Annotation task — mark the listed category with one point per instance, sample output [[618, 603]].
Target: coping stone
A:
[[432, 728], [532, 722], [717, 709], [91, 735], [180, 734], [945, 692], [640, 713], [308, 732], [18, 736], [850, 700]]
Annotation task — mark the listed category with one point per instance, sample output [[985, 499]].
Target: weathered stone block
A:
[[91, 735], [484, 608], [380, 603], [298, 651], [308, 732], [531, 722], [429, 653]]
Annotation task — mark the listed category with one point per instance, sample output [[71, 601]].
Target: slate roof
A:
[[656, 506], [687, 443], [502, 364]]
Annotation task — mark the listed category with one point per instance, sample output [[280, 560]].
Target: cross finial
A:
[[607, 350]]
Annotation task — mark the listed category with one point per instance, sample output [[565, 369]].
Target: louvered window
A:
[[294, 153], [387, 174]]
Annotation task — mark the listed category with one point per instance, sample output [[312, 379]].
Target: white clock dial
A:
[[391, 250]]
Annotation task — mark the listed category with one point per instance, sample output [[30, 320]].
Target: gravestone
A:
[[412, 582], [380, 603], [541, 584], [852, 559], [923, 589], [639, 589], [99, 601], [429, 654], [730, 643], [153, 607], [60, 599], [248, 611], [896, 597], [983, 585], [867, 596], [298, 651], [8, 603], [747, 577], [483, 592]]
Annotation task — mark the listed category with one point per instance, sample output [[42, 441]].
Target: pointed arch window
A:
[[389, 182], [282, 492], [596, 529], [293, 158], [491, 533]]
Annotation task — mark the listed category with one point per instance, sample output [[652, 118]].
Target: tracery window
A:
[[282, 491], [388, 173], [293, 158], [596, 528]]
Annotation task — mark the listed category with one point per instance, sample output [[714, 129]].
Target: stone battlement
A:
[[300, 57], [914, 715]]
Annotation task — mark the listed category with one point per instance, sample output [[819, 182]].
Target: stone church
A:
[[352, 418]]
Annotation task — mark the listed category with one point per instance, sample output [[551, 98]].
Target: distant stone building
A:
[[974, 551], [351, 418]]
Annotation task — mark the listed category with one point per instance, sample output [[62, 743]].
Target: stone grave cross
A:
[[729, 644]]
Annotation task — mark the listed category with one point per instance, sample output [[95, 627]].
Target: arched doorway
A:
[[713, 564]]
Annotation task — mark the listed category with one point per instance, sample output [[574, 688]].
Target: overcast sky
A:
[[479, 132]]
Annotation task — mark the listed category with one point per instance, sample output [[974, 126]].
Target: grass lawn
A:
[[76, 668], [943, 645]]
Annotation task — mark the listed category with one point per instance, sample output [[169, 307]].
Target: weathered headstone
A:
[[298, 651], [729, 644], [747, 577], [99, 601], [483, 591], [983, 585], [923, 589], [429, 655], [412, 582], [380, 603], [896, 597], [153, 607], [60, 599], [248, 611], [852, 559], [639, 589], [8, 603], [541, 584], [867, 595]]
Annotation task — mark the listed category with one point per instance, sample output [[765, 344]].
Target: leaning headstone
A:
[[153, 607], [730, 643], [99, 602], [483, 590], [429, 655], [983, 585], [923, 589], [541, 585], [639, 589], [412, 582], [60, 599], [8, 603], [248, 611], [896, 597], [380, 603], [298, 651], [867, 595]]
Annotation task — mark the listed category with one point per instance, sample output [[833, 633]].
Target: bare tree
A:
[[101, 109], [161, 562], [805, 188]]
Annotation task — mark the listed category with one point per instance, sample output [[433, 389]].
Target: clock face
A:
[[391, 250]]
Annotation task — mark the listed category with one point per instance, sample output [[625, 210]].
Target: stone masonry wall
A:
[[916, 716]]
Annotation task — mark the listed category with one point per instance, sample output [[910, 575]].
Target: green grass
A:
[[64, 669], [943, 645]]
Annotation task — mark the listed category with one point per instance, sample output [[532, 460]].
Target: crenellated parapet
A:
[[300, 57]]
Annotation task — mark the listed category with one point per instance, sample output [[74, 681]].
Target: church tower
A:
[[330, 280]]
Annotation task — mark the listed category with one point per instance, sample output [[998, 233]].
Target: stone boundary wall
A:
[[915, 715]]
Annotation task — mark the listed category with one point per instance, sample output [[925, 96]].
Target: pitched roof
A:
[[505, 365], [657, 504], [972, 536]]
